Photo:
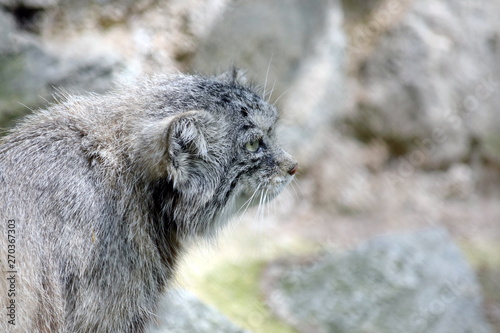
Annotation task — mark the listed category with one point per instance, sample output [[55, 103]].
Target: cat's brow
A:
[[246, 127]]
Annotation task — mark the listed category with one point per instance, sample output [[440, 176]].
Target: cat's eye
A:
[[253, 146]]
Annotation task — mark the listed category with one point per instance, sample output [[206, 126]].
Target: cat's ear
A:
[[234, 76], [186, 144], [183, 149]]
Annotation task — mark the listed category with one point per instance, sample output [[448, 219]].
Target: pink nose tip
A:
[[293, 170]]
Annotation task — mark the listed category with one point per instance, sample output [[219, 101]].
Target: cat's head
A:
[[220, 150]]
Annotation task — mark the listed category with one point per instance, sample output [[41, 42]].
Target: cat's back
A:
[[47, 188]]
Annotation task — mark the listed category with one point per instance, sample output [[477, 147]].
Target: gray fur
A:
[[106, 191]]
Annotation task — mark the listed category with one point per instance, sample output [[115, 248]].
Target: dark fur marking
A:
[[244, 112], [236, 179], [247, 127], [165, 229]]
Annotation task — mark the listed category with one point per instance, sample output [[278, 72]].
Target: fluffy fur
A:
[[106, 190]]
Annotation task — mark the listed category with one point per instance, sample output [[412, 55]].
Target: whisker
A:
[[248, 202], [259, 207], [280, 199], [260, 211], [279, 97], [267, 75], [273, 207], [246, 205], [271, 93], [292, 185], [257, 212], [264, 207]]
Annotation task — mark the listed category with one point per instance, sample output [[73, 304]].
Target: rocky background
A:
[[391, 108]]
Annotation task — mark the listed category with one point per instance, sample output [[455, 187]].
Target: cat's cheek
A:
[[280, 182]]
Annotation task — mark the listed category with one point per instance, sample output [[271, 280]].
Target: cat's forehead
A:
[[256, 110], [264, 118], [242, 103]]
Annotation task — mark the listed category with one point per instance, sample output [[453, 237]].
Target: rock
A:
[[295, 50], [259, 35], [459, 182], [29, 3], [431, 83], [342, 180], [166, 36], [414, 282], [182, 312], [33, 69]]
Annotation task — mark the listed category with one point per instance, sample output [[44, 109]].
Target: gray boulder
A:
[[430, 86], [414, 282], [181, 312], [32, 69], [29, 3]]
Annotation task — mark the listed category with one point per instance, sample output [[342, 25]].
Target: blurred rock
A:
[[430, 86], [32, 69], [459, 182], [414, 282], [342, 180], [262, 34], [100, 14], [29, 3], [166, 36], [295, 50], [182, 312]]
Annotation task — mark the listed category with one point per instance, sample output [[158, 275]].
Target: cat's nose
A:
[[293, 169]]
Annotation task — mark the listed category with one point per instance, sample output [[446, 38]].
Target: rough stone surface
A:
[[414, 282], [182, 312], [29, 3], [431, 83], [32, 69]]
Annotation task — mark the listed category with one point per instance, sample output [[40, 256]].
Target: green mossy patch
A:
[[234, 288], [485, 259]]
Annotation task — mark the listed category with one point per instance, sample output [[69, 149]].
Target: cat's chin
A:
[[244, 200]]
